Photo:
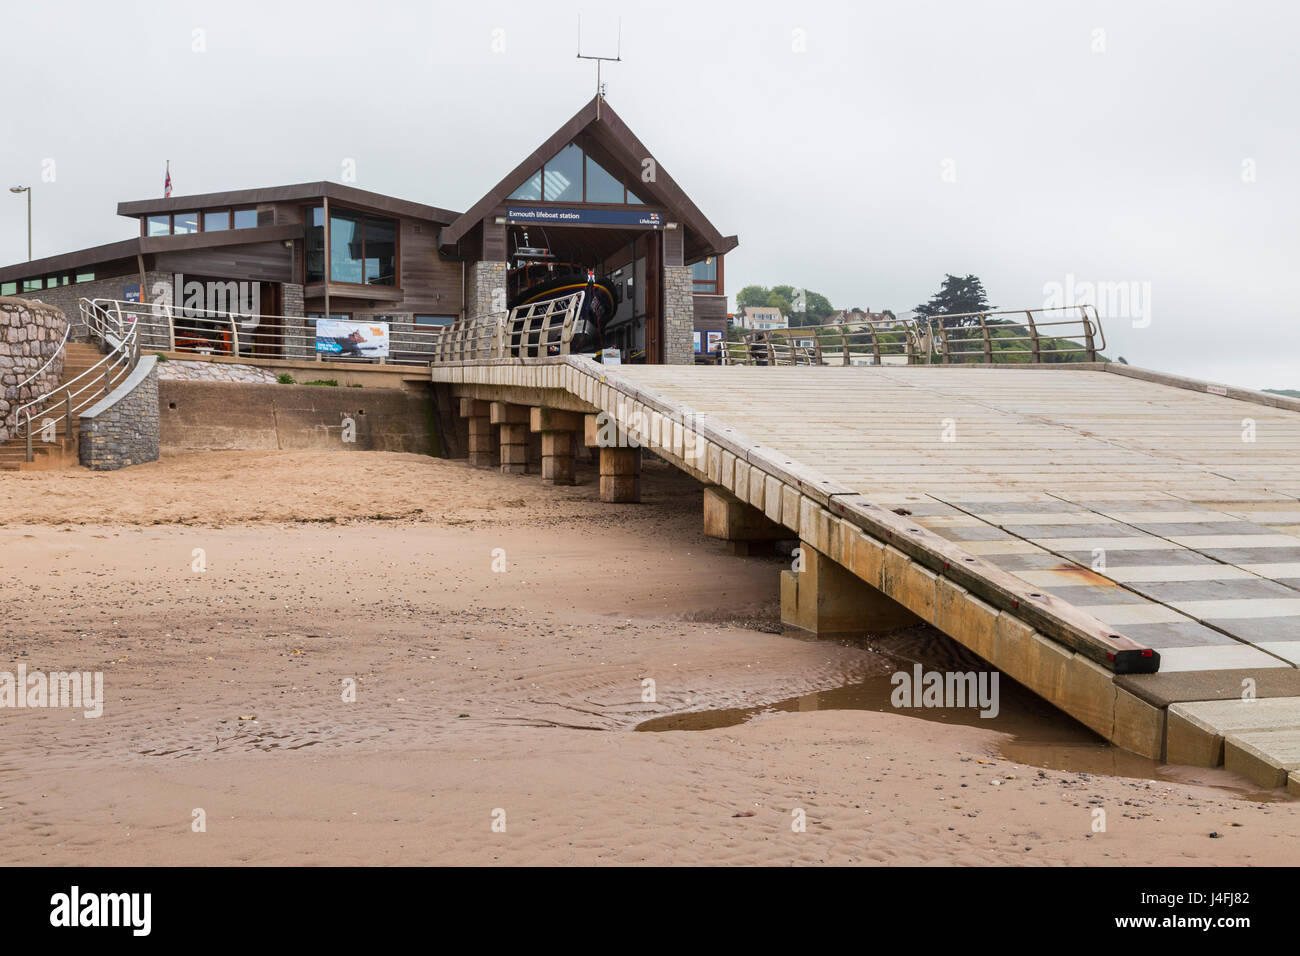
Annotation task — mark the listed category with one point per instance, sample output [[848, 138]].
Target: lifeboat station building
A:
[[592, 195]]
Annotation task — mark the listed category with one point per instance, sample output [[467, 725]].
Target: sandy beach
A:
[[497, 636]]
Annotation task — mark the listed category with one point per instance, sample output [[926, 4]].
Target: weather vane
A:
[[618, 58]]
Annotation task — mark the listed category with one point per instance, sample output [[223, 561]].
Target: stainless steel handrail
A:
[[94, 383]]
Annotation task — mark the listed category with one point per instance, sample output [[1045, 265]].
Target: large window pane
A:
[[633, 200], [705, 270], [8, 288], [216, 221], [315, 245], [562, 176], [531, 189], [184, 223], [345, 250], [159, 226], [245, 218], [381, 251], [601, 186]]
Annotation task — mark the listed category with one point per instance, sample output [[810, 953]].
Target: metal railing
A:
[[859, 343], [1023, 336], [1044, 335], [64, 402], [166, 327], [526, 332]]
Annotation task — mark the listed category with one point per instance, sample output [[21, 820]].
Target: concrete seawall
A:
[[214, 416]]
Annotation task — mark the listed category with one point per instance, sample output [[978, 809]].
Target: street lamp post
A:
[[28, 191]]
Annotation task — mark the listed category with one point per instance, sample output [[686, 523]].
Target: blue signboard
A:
[[562, 215], [131, 293]]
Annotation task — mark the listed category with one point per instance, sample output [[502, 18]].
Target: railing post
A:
[[1034, 347], [67, 402], [29, 435], [234, 335], [1091, 344], [844, 343], [107, 379], [988, 340], [875, 343]]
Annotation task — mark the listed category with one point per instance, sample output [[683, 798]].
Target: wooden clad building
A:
[[591, 195]]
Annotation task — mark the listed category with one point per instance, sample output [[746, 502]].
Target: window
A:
[[562, 176], [362, 249], [184, 223], [434, 321], [574, 176], [346, 263], [53, 282], [705, 275], [601, 186], [8, 288], [381, 251], [32, 285], [159, 226], [84, 277], [531, 189], [216, 221], [316, 245], [245, 218]]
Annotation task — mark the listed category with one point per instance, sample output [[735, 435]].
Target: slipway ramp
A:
[[1124, 543]]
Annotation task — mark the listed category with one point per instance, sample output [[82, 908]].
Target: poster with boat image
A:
[[341, 338]]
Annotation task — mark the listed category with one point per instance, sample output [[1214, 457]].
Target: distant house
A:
[[764, 317], [851, 316]]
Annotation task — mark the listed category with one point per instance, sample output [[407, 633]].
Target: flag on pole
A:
[[167, 183]]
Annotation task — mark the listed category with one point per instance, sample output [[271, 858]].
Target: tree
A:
[[801, 306], [957, 296]]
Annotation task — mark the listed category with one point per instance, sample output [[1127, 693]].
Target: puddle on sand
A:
[[1039, 735]]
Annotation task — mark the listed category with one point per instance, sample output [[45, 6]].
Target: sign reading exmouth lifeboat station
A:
[[600, 217]]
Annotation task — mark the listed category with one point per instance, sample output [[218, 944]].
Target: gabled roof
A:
[[238, 197], [614, 137]]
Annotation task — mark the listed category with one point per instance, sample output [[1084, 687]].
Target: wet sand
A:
[[516, 690]]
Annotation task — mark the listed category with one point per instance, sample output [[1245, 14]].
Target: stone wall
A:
[[485, 288], [679, 316], [122, 429], [30, 332]]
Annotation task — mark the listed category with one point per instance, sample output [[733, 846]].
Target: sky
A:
[[1149, 150]]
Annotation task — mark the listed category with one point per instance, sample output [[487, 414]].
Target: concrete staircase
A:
[[62, 452]]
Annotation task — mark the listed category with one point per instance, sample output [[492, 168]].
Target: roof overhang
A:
[[128, 248], [302, 191]]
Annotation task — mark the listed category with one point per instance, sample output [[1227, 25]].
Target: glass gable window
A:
[[245, 218], [184, 223], [574, 176], [562, 176], [362, 249], [601, 186], [216, 221], [159, 226], [531, 189]]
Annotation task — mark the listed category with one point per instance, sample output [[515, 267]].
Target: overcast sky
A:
[[860, 150]]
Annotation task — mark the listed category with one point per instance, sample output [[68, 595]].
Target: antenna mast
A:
[[618, 58]]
